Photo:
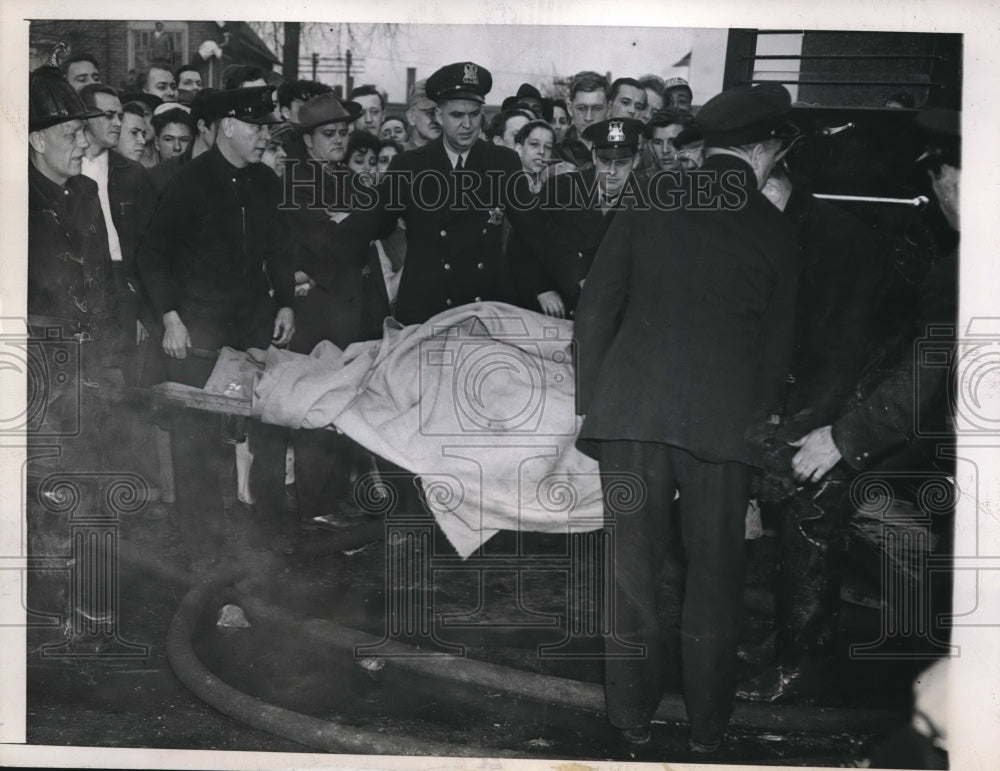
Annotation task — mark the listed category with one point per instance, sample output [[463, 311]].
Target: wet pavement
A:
[[486, 608]]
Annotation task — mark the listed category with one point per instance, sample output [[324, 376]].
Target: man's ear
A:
[[307, 138], [227, 126], [37, 141]]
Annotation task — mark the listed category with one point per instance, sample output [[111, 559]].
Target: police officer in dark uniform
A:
[[453, 194], [72, 303], [216, 229], [554, 247], [683, 335]]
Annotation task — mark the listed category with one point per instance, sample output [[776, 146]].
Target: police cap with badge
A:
[[616, 138], [461, 80], [743, 115], [250, 105]]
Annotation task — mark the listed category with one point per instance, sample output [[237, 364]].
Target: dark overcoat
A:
[[684, 328], [333, 310], [841, 269], [216, 230], [69, 266], [454, 233], [554, 247]]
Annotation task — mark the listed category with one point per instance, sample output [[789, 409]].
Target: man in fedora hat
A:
[[213, 253], [325, 125], [683, 334], [330, 310]]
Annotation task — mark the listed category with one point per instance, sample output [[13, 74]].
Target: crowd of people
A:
[[171, 221]]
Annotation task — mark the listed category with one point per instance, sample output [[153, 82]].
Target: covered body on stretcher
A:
[[478, 402]]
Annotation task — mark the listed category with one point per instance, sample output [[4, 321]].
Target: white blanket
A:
[[478, 402]]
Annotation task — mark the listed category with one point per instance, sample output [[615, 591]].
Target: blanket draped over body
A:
[[478, 402]]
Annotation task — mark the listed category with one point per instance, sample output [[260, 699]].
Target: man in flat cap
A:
[[552, 252], [421, 115], [216, 230], [529, 98], [454, 221], [683, 334], [677, 95], [72, 302]]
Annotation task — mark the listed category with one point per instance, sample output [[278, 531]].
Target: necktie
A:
[[458, 164]]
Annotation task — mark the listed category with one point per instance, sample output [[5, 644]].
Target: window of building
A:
[[145, 46]]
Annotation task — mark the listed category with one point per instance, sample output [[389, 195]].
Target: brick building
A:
[[123, 47]]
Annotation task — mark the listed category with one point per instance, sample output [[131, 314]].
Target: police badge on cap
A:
[[616, 138], [462, 80]]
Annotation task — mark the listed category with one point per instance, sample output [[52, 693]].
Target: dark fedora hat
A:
[[327, 108]]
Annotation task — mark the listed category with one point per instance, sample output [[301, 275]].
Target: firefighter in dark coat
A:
[[879, 430], [453, 194], [216, 228], [72, 304], [840, 275], [683, 335], [554, 248]]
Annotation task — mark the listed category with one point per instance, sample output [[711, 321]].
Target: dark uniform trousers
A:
[[670, 614]]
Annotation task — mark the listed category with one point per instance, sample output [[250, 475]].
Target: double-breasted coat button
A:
[[479, 299], [447, 266], [480, 266], [444, 234], [447, 301]]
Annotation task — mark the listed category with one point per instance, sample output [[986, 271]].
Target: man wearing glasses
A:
[[127, 201]]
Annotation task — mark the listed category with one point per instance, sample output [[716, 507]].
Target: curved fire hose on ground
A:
[[332, 737]]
